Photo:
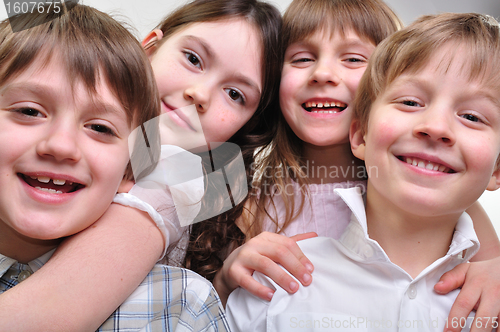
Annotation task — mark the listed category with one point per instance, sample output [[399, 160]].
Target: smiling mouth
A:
[[180, 118], [326, 107], [421, 163], [53, 186]]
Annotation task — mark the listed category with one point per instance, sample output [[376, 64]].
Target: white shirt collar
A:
[[464, 237]]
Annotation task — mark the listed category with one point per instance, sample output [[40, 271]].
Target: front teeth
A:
[[52, 191], [42, 179], [427, 165], [45, 179], [331, 112], [311, 104]]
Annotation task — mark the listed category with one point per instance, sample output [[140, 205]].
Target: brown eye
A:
[[193, 59], [235, 95]]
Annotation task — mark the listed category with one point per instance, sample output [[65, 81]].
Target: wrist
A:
[[221, 287]]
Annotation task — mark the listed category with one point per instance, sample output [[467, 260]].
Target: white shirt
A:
[[355, 286]]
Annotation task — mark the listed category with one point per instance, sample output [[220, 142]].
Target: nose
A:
[[436, 124], [325, 72], [199, 95], [60, 144]]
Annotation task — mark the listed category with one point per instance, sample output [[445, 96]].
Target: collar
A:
[[357, 240], [7, 262]]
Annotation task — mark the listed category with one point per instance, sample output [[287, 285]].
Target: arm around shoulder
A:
[[490, 244], [96, 269]]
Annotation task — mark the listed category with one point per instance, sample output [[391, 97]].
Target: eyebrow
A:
[[423, 83], [35, 89], [211, 54], [358, 43], [43, 91], [207, 48], [490, 97]]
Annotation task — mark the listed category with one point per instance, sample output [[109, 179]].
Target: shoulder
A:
[[172, 297]]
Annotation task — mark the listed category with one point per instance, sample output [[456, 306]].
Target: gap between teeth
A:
[[427, 165], [45, 179]]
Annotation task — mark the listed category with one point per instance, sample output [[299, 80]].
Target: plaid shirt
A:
[[168, 299]]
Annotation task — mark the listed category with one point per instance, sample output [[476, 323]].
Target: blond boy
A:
[[427, 125]]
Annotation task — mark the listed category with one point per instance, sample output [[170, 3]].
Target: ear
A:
[[357, 138], [495, 180], [150, 41]]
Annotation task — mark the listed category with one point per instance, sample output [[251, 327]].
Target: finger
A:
[[303, 259], [270, 268], [487, 311], [303, 236], [464, 304], [452, 279], [257, 289], [288, 254], [484, 322]]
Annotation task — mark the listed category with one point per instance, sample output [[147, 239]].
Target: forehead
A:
[[221, 33], [461, 61], [48, 77], [232, 46]]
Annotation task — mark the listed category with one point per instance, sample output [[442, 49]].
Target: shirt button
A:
[[412, 292], [23, 275]]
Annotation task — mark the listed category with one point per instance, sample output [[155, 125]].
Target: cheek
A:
[[288, 86], [382, 132], [167, 76], [480, 156], [110, 167], [15, 144], [352, 81]]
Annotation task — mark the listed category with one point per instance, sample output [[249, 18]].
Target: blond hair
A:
[[410, 49]]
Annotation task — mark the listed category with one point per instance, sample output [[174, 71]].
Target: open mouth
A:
[[426, 164], [325, 107], [53, 186]]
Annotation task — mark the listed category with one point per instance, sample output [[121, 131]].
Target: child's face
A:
[[319, 81], [215, 66], [433, 139], [62, 152]]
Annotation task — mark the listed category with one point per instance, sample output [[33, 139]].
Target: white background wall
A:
[[145, 14]]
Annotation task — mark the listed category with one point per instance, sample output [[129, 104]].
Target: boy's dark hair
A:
[[90, 44]]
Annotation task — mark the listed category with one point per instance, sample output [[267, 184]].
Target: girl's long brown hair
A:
[[211, 237]]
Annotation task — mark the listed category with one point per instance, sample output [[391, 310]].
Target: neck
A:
[[331, 164], [21, 248], [412, 242]]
